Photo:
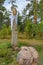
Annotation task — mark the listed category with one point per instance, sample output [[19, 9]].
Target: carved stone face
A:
[[14, 11]]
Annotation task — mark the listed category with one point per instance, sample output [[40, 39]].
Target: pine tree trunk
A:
[[35, 11], [35, 19]]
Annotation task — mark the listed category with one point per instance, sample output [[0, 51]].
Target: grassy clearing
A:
[[8, 56]]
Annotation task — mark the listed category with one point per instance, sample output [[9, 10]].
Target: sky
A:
[[20, 3]]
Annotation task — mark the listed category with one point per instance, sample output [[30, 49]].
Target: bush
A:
[[5, 32], [28, 28], [34, 30], [37, 29]]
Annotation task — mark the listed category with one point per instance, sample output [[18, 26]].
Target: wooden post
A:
[[14, 29]]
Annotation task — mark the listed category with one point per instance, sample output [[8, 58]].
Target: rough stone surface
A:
[[27, 56]]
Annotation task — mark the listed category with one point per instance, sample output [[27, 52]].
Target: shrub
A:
[[28, 28], [5, 32]]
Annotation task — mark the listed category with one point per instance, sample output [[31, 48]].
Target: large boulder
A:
[[27, 56]]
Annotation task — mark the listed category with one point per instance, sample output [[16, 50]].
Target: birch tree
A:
[[14, 24]]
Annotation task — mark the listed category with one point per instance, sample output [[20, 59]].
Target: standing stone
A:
[[14, 28]]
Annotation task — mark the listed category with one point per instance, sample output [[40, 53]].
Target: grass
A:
[[8, 56]]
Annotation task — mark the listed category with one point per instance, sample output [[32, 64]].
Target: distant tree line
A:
[[31, 20]]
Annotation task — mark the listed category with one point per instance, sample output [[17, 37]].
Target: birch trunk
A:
[[14, 34], [14, 29]]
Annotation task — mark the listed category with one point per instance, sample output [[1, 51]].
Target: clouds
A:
[[20, 3]]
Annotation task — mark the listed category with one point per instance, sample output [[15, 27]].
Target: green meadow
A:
[[8, 55]]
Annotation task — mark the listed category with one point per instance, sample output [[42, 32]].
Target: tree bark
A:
[[14, 34]]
